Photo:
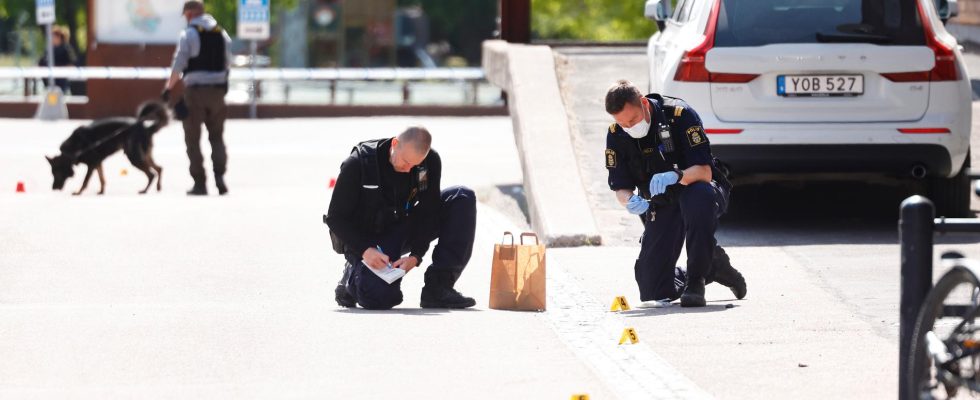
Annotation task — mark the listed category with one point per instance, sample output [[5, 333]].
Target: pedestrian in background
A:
[[202, 61], [64, 55]]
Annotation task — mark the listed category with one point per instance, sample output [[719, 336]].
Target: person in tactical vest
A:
[[386, 207], [661, 168], [202, 59]]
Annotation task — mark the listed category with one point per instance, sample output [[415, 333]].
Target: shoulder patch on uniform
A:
[[695, 135], [612, 128], [678, 110], [610, 158]]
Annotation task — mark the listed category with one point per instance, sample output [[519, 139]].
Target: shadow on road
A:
[[817, 213], [677, 309], [404, 311]]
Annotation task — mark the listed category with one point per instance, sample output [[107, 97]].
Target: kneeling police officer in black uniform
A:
[[386, 208], [659, 147]]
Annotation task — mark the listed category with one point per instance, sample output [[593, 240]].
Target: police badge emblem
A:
[[695, 135], [610, 158]]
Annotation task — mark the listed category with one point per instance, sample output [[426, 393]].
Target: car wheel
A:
[[952, 195]]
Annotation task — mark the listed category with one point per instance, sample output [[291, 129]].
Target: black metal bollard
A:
[[915, 234]]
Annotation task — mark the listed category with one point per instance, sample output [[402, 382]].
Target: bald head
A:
[[410, 148], [418, 138]]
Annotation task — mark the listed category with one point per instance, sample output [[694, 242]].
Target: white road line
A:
[[587, 327]]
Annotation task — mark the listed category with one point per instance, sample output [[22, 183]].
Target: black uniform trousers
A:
[[456, 230], [691, 217]]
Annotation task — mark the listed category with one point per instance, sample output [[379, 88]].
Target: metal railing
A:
[[323, 74], [403, 81]]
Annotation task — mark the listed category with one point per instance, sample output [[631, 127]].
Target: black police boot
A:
[[444, 297], [694, 293], [726, 274], [340, 293], [219, 181], [198, 190]]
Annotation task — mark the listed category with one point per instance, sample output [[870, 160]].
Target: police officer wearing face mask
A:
[[387, 206], [661, 168]]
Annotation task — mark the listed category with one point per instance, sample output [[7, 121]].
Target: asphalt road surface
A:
[[165, 296]]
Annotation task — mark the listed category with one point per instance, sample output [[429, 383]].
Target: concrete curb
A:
[[559, 211]]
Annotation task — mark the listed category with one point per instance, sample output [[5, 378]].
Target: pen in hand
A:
[[382, 252]]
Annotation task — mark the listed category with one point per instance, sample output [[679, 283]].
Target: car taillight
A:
[[692, 68], [731, 78], [945, 68], [722, 131], [923, 131]]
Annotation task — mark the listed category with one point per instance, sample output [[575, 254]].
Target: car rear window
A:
[[762, 22]]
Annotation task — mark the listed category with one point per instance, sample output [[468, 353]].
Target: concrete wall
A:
[[557, 205]]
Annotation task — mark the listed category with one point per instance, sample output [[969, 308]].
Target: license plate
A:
[[819, 85]]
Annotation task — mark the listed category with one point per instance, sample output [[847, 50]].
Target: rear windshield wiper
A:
[[838, 37], [853, 33]]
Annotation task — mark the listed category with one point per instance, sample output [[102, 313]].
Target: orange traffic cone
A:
[[333, 182], [20, 187]]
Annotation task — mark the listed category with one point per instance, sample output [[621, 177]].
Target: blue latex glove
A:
[[659, 183], [636, 205]]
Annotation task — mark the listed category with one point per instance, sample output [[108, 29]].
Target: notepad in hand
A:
[[388, 274]]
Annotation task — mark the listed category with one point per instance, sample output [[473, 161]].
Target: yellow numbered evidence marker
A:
[[620, 304], [629, 335], [580, 397]]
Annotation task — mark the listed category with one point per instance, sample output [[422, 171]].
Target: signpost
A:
[[52, 106], [253, 25]]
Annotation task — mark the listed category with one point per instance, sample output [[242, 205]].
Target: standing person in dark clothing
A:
[[387, 206], [202, 59], [64, 55]]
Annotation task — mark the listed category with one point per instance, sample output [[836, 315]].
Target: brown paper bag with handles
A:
[[517, 278]]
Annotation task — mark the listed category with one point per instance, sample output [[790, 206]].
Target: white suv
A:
[[833, 88]]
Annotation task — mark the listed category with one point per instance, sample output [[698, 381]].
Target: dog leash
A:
[[139, 121]]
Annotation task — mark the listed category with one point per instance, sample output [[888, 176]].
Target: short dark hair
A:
[[620, 93], [194, 5], [418, 137]]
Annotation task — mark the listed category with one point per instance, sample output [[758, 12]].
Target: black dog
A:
[[93, 143]]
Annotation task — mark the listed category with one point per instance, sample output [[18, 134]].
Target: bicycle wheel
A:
[[944, 358]]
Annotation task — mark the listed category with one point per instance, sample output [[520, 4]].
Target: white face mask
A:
[[638, 130]]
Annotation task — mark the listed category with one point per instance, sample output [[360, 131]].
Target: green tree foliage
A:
[[13, 8], [590, 20], [464, 24]]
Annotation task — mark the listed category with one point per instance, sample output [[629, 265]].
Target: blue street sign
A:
[[253, 19], [45, 12]]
